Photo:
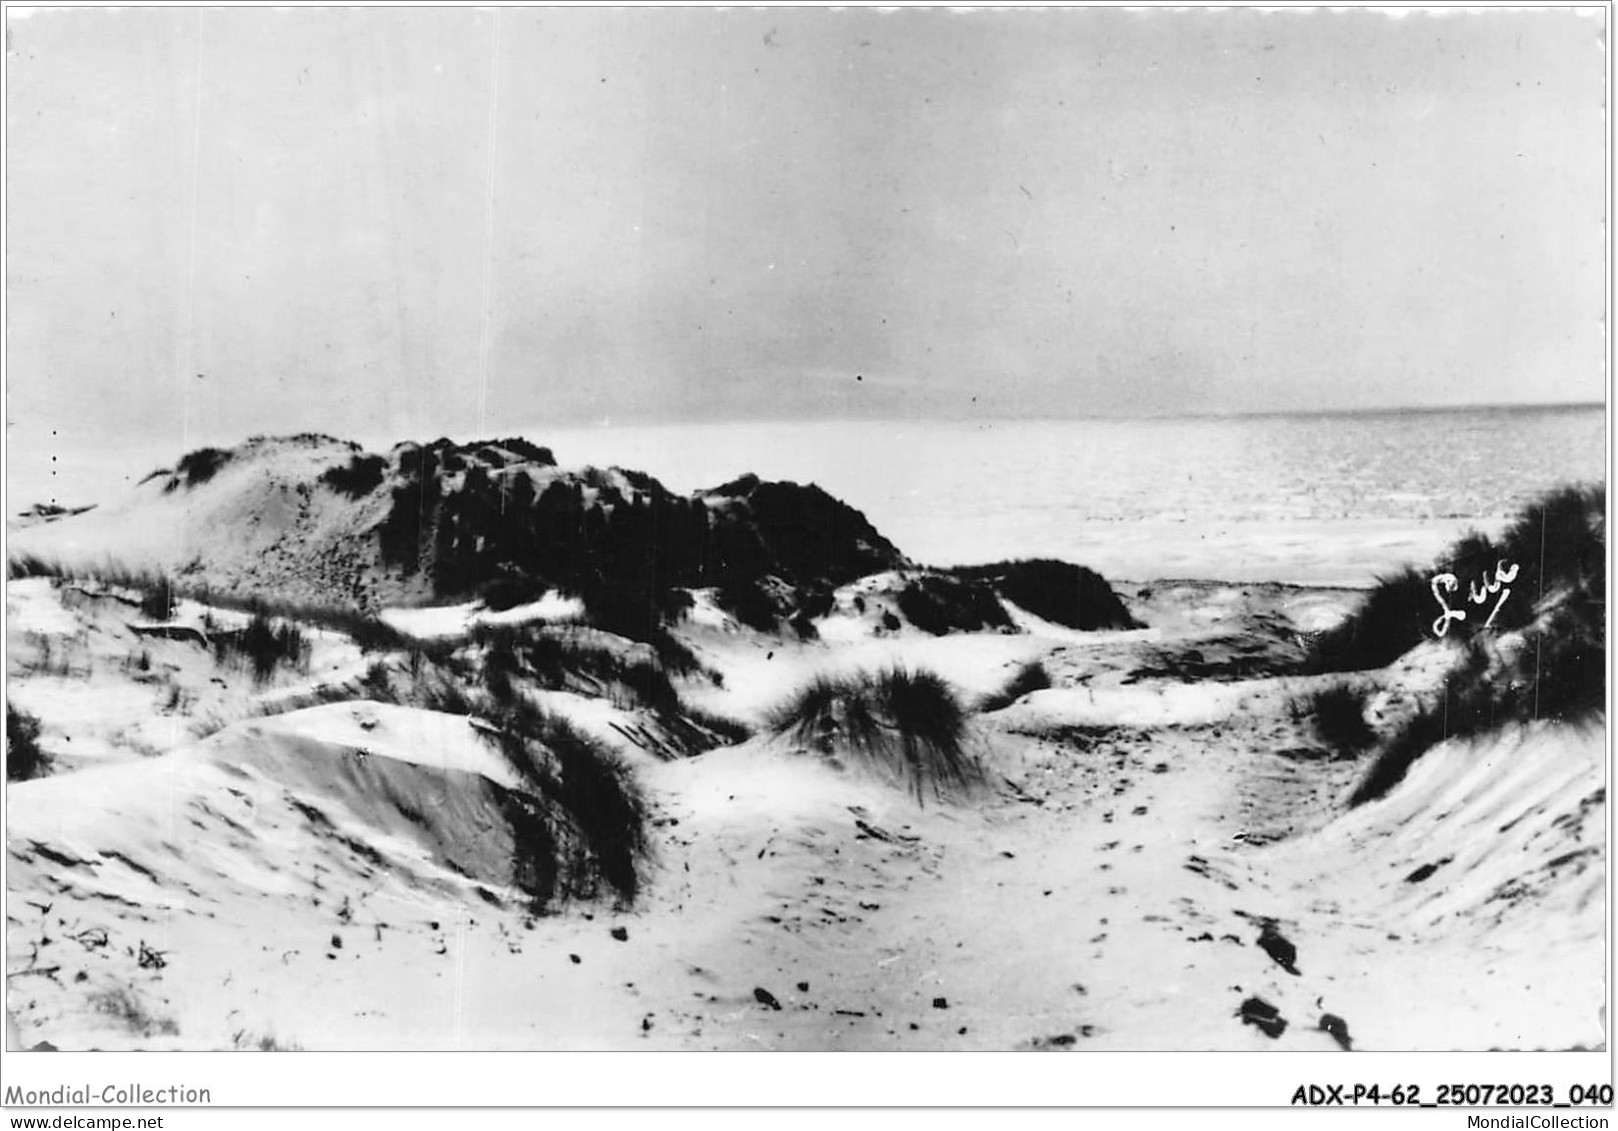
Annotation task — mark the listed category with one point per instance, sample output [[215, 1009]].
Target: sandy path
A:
[[1116, 912]]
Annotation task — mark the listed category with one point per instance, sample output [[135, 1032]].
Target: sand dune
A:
[[1120, 881]]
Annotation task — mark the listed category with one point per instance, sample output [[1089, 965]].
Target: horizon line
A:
[[633, 421]]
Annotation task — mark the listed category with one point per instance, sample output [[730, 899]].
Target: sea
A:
[[1325, 499], [1330, 499]]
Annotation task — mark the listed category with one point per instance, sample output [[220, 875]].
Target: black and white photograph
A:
[[804, 529]]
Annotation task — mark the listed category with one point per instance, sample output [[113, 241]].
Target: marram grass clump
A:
[[1542, 659], [1336, 714], [907, 725], [25, 760], [1553, 551]]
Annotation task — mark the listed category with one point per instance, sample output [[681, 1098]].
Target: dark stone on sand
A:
[[940, 1003], [575, 959], [621, 934], [1260, 1013], [1338, 1028], [765, 997], [1426, 870], [1276, 945], [803, 987]]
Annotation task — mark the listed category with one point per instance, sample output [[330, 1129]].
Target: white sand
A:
[[442, 621]]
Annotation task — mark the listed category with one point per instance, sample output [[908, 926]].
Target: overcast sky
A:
[[415, 222]]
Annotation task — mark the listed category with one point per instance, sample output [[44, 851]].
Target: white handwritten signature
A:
[[1478, 592]]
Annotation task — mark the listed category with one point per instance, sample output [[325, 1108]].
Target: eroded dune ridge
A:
[[450, 747]]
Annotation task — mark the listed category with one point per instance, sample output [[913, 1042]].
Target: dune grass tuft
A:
[[1544, 658], [939, 604], [906, 724], [1392, 619], [1063, 593], [594, 827], [25, 760], [1557, 544], [357, 478], [1029, 677], [563, 660], [21, 566], [154, 589], [725, 730], [1393, 760], [1337, 714], [755, 603], [199, 467], [599, 792], [264, 645], [157, 603]]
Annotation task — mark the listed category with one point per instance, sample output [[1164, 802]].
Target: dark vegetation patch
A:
[[1337, 715], [357, 478], [590, 829], [578, 825], [738, 488], [907, 725], [306, 439], [598, 791], [20, 566], [557, 659], [1069, 595], [1552, 666], [1393, 618], [522, 449], [1083, 737], [1263, 646], [198, 467], [638, 612], [1557, 542], [158, 601], [51, 512], [413, 506], [121, 1004], [153, 593], [1557, 677], [265, 644], [759, 603], [1029, 677], [492, 520], [803, 534], [727, 731], [536, 865], [624, 544], [940, 603], [369, 632], [25, 760], [765, 603]]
